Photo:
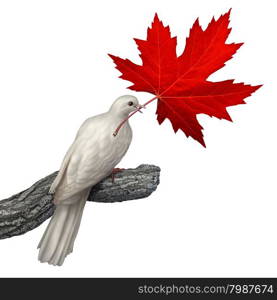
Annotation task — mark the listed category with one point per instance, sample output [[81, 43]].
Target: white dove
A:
[[92, 156]]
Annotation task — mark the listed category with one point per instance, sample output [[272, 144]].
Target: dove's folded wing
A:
[[62, 170], [66, 159], [86, 165]]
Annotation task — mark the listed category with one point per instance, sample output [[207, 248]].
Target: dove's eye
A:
[[130, 103]]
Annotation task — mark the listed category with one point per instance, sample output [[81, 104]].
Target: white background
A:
[[214, 213]]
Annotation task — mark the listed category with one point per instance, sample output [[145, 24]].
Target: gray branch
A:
[[28, 209]]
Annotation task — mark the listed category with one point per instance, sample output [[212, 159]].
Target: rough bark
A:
[[28, 209]]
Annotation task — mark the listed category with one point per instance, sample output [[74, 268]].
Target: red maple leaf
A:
[[180, 83]]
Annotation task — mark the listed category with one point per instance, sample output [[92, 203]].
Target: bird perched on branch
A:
[[92, 156]]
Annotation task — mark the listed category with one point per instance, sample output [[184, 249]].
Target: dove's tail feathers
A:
[[60, 234]]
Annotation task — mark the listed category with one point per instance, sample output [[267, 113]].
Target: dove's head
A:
[[124, 105]]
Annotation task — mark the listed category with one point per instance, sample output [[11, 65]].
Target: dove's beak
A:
[[139, 107]]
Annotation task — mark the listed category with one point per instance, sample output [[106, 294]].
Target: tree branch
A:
[[28, 209]]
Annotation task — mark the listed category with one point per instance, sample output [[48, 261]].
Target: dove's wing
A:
[[67, 157], [64, 164], [90, 161]]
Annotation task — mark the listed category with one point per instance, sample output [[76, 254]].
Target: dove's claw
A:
[[115, 171]]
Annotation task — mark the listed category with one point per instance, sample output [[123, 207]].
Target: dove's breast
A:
[[113, 148]]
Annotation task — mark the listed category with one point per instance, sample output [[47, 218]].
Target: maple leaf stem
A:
[[149, 101], [131, 114]]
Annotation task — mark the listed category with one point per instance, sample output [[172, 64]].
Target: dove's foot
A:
[[114, 172]]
